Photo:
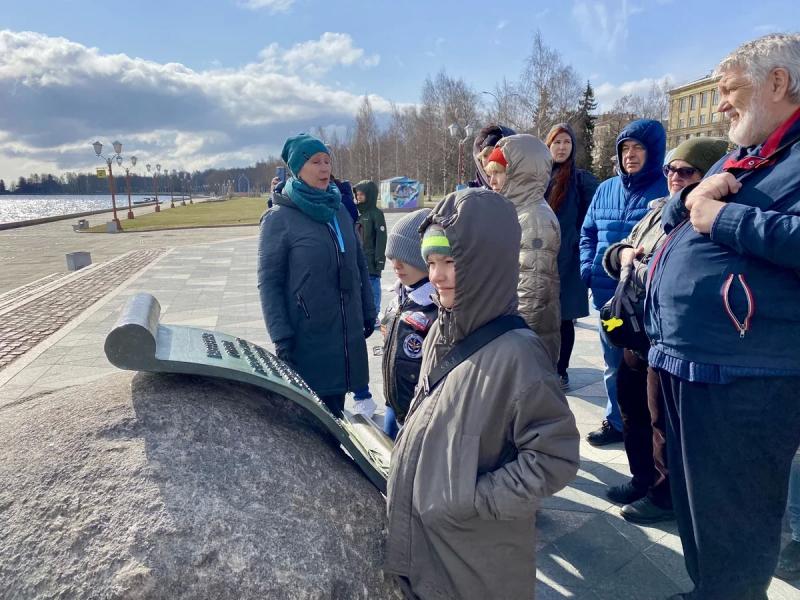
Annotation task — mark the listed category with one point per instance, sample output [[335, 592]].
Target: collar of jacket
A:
[[755, 157]]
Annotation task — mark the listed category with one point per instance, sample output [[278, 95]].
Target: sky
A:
[[196, 85]]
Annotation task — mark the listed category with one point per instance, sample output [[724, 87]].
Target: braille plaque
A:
[[139, 342]]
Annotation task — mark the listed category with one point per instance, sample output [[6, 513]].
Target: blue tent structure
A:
[[401, 193]]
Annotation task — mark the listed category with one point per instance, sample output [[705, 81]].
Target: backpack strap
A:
[[469, 345]]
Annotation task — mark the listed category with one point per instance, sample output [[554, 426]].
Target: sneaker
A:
[[564, 381], [645, 511], [627, 493], [789, 562], [605, 435], [365, 407]]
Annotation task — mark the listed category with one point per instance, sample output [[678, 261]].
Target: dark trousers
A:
[[730, 450], [334, 403], [643, 427], [567, 344]]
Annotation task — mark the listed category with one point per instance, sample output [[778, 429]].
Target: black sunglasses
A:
[[682, 172]]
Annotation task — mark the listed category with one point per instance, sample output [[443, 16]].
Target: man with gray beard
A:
[[723, 316]]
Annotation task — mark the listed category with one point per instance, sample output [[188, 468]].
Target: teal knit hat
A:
[[434, 241], [299, 148]]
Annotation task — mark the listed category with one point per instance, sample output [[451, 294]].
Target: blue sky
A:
[[222, 83]]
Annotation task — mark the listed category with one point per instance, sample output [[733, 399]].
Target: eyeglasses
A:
[[682, 172]]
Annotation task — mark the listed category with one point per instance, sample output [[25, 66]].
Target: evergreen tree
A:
[[2, 187], [585, 122]]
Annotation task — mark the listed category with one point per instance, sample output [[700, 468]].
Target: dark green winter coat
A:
[[373, 225], [316, 297]]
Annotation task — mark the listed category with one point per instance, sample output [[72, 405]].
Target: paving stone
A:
[[598, 548]]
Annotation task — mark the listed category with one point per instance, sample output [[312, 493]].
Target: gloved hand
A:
[[625, 296], [284, 350], [369, 327]]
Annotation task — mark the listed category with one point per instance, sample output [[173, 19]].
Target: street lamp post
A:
[[182, 182], [128, 182], [169, 183], [454, 131], [156, 171], [98, 149], [189, 186]]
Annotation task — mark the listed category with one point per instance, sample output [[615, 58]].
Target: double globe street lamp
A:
[[454, 132], [128, 181], [98, 150], [156, 171]]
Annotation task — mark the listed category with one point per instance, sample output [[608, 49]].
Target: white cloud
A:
[[273, 6], [331, 49], [58, 96], [607, 93], [603, 25], [502, 25]]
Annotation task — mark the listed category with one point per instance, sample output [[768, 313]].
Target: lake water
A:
[[22, 208]]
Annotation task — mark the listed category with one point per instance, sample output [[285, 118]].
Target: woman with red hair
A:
[[569, 194]]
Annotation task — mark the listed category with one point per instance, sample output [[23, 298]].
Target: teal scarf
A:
[[320, 205]]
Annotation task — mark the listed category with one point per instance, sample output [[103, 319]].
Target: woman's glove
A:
[[284, 349], [369, 327]]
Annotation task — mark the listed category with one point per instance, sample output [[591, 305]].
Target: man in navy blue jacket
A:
[[723, 314], [618, 204]]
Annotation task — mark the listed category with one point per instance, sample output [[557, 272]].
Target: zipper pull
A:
[[742, 331]]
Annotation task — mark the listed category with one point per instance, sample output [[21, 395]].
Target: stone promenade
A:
[[207, 279]]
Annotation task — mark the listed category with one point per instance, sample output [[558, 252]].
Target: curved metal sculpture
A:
[[139, 342]]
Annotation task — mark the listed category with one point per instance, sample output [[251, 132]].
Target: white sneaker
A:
[[365, 407]]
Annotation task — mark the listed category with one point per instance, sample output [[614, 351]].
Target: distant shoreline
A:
[[40, 220]]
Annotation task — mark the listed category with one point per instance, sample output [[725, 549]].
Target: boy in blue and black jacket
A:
[[406, 320]]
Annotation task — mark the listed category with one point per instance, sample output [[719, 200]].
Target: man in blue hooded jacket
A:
[[723, 316], [618, 204]]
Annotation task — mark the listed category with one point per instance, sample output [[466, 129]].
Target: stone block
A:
[[78, 260]]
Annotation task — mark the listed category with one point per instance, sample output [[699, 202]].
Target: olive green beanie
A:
[[700, 152]]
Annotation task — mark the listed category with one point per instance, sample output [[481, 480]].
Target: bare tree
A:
[[652, 104], [550, 88]]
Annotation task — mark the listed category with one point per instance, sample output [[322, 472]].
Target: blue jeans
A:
[[793, 506], [390, 426], [375, 282], [612, 357]]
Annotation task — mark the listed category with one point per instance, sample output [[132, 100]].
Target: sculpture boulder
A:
[[171, 486]]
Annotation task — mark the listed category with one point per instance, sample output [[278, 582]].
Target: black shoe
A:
[[789, 562], [645, 510], [564, 381], [605, 435], [627, 493]]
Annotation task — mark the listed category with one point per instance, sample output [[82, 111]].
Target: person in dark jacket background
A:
[[485, 142], [722, 315], [618, 204], [313, 279], [373, 225], [569, 194]]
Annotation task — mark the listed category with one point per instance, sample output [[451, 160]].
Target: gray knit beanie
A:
[[404, 240]]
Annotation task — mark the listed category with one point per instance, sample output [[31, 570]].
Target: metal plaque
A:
[[139, 342]]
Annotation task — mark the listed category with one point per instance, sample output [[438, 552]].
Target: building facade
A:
[[693, 112]]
